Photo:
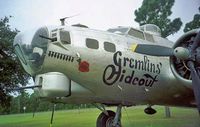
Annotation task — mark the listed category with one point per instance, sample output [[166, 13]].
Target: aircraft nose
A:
[[31, 48]]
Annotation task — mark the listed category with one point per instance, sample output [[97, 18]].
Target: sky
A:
[[97, 14]]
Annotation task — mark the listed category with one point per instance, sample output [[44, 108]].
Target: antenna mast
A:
[[62, 20]]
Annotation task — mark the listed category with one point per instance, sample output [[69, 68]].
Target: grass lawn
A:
[[131, 117]]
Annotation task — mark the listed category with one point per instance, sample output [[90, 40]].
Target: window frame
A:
[[140, 33], [149, 37], [19, 53]]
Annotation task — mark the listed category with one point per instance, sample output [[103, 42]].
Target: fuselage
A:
[[102, 67]]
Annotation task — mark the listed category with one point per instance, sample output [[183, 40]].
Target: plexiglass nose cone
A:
[[31, 48]]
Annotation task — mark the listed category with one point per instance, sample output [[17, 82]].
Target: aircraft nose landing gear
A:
[[110, 118]]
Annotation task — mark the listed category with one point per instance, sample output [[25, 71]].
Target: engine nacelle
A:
[[178, 66], [54, 84]]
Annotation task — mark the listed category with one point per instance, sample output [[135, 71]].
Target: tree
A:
[[11, 71], [195, 23], [157, 12]]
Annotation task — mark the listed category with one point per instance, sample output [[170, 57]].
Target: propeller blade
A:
[[195, 84], [196, 42], [153, 50]]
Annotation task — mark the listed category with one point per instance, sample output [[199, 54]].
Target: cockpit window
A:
[[65, 37], [136, 33], [149, 37], [92, 43], [119, 30]]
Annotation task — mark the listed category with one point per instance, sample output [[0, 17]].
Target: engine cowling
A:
[[178, 66]]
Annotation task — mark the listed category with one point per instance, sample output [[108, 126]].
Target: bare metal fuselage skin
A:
[[122, 77]]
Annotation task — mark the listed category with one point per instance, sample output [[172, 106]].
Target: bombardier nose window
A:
[[31, 48], [20, 54]]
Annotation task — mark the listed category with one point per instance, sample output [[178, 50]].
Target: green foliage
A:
[[195, 23], [34, 104], [157, 12], [131, 117], [11, 71]]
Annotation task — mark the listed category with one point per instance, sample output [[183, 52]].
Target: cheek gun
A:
[[54, 84]]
